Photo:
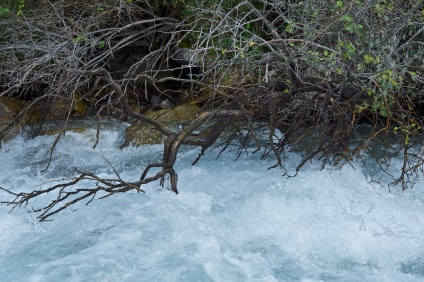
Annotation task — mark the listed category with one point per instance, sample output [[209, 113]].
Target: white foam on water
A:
[[232, 221]]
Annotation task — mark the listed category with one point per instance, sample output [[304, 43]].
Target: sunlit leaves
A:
[[350, 25], [368, 59]]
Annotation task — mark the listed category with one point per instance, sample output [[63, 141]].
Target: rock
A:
[[57, 131], [80, 108], [187, 56], [60, 107], [155, 101], [58, 110], [141, 133], [9, 108], [166, 104], [180, 115], [158, 102]]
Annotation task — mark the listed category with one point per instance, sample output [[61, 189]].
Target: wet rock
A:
[[79, 107], [59, 108], [9, 109], [180, 115], [64, 107], [140, 133], [159, 103], [57, 131]]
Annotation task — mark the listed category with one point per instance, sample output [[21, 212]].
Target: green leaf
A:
[[383, 112], [346, 18], [4, 10], [368, 59], [79, 39]]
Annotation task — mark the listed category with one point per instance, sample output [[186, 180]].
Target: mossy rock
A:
[[80, 108], [60, 107], [9, 108], [141, 133], [180, 115]]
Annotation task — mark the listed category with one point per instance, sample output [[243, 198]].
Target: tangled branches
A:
[[316, 70], [54, 37], [66, 198], [172, 144], [313, 71]]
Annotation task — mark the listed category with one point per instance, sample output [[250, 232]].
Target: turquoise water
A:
[[232, 221]]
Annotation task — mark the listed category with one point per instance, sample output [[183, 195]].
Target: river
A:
[[232, 221]]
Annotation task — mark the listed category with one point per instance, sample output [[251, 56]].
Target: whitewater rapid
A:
[[232, 221]]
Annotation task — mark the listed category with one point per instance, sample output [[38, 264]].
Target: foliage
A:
[[371, 50]]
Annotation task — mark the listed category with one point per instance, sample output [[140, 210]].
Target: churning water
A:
[[232, 221]]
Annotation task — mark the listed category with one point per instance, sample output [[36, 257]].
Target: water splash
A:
[[233, 221]]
